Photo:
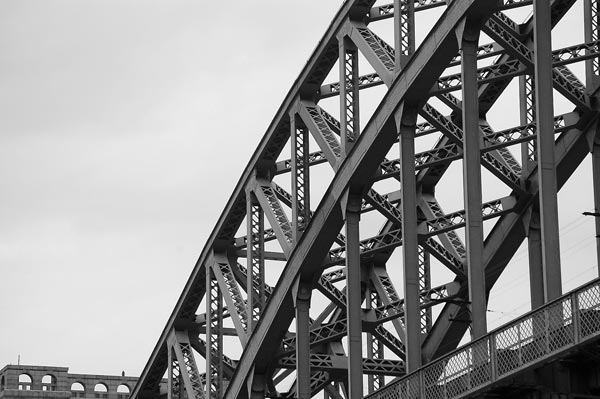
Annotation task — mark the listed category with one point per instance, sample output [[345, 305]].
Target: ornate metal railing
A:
[[543, 334]]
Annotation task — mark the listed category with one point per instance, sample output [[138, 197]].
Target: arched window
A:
[[24, 382], [48, 383], [100, 390], [123, 391], [78, 389], [123, 388]]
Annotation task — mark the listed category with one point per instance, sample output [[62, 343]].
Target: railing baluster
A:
[[436, 378], [575, 317], [493, 358]]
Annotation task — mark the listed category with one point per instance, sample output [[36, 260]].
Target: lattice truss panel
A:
[[276, 258]]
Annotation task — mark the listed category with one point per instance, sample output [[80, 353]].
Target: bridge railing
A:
[[532, 338]]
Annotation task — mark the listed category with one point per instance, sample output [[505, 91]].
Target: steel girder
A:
[[360, 298]]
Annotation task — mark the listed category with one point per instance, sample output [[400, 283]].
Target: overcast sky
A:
[[124, 126]]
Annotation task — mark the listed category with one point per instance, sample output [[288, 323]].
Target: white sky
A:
[[124, 126]]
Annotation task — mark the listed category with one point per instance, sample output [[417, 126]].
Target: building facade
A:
[[26, 382]]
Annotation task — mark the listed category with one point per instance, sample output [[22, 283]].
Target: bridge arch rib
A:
[[341, 309]]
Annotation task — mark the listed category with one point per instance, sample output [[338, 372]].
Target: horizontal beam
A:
[[387, 10], [488, 74], [338, 364], [373, 318], [514, 67], [456, 220], [373, 79], [492, 141]]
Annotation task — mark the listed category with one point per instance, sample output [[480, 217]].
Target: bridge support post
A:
[[349, 111], [528, 159], [349, 131], [183, 371], [214, 337], [404, 31], [596, 179], [468, 35], [592, 33], [300, 176], [425, 285], [406, 120], [374, 346], [302, 294], [256, 385], [545, 150], [175, 382], [592, 75], [351, 208], [256, 262], [536, 271], [527, 115]]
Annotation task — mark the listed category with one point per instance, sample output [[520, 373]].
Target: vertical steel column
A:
[[300, 218], [592, 33], [300, 177], [174, 376], [349, 111], [256, 385], [353, 296], [528, 160], [596, 178], [374, 346], [302, 303], [349, 131], [425, 285], [592, 69], [469, 38], [369, 302], [404, 31], [214, 337], [527, 115], [536, 270], [407, 119], [256, 261], [191, 384], [170, 372], [545, 149]]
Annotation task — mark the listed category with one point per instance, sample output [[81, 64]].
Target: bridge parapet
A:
[[551, 331]]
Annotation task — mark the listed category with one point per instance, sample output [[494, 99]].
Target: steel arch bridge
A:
[[339, 321]]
